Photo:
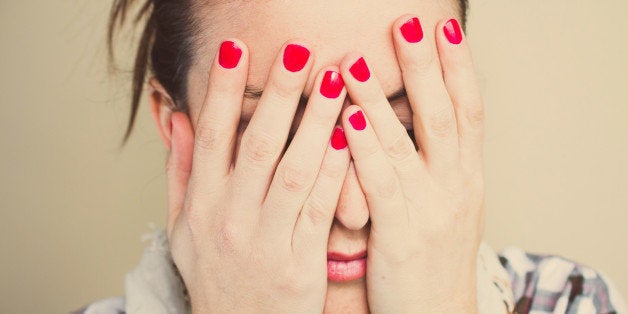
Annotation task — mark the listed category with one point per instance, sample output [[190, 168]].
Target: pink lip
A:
[[342, 267]]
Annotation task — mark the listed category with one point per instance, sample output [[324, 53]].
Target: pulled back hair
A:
[[166, 46]]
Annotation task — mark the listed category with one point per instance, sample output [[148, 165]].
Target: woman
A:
[[327, 157]]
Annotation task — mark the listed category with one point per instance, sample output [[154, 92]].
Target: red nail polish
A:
[[332, 84], [453, 32], [338, 139], [412, 31], [360, 70], [295, 57], [229, 55], [357, 120]]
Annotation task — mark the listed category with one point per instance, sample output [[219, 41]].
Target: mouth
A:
[[344, 267]]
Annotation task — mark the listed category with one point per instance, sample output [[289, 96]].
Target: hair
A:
[[166, 46]]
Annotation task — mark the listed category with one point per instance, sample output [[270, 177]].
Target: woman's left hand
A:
[[426, 206]]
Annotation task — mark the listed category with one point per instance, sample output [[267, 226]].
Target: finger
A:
[[299, 167], [264, 139], [215, 134], [365, 90], [461, 83], [311, 231], [377, 176], [433, 114], [179, 166]]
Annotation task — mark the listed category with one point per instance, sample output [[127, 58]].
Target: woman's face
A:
[[331, 29]]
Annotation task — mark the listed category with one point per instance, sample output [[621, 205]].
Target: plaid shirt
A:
[[553, 284], [535, 284]]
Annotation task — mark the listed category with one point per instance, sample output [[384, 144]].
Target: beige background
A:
[[555, 79]]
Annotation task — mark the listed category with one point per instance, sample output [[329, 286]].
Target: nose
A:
[[352, 210]]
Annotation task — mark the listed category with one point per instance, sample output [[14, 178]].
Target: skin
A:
[[418, 214]]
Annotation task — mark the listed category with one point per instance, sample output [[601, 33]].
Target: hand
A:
[[426, 207], [252, 237]]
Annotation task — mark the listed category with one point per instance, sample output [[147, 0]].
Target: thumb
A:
[[179, 165]]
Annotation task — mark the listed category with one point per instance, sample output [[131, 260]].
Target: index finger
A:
[[216, 128]]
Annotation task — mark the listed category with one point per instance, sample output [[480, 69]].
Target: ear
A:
[[161, 106]]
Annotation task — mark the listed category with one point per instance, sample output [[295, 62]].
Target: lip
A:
[[337, 256], [346, 267]]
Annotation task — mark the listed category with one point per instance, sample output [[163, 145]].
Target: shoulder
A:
[[105, 306], [553, 284]]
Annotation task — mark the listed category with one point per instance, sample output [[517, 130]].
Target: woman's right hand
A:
[[252, 236]]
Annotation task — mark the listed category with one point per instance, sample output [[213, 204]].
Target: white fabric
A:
[[154, 287], [105, 306]]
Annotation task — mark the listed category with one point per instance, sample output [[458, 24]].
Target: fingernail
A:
[[357, 121], [295, 57], [452, 31], [229, 55], [338, 139], [412, 31], [360, 70], [332, 84]]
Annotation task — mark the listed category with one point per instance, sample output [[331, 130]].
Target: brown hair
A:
[[166, 46]]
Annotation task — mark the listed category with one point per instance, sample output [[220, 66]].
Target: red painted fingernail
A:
[[453, 32], [295, 57], [229, 55], [332, 84], [338, 139], [412, 31], [360, 70], [357, 121]]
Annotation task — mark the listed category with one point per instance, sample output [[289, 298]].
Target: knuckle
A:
[[295, 178], [332, 169], [387, 188], [475, 116], [260, 147], [228, 238], [283, 89], [425, 62], [369, 151], [208, 137], [441, 123], [322, 120], [400, 148], [316, 210]]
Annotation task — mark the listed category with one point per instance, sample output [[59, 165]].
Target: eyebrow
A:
[[255, 93]]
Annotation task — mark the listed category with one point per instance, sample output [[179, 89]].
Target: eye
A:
[[302, 103], [411, 135], [290, 137]]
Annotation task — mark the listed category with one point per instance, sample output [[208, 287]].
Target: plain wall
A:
[[553, 73]]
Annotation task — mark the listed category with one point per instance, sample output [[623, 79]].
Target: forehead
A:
[[330, 28]]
